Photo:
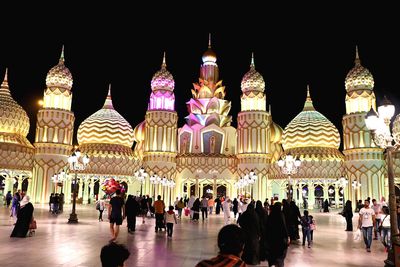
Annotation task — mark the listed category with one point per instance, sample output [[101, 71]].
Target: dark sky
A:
[[290, 51]]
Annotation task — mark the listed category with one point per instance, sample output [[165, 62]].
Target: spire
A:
[[5, 80], [108, 104], [252, 65], [61, 60], [209, 40], [164, 63], [357, 60], [270, 110], [308, 105]]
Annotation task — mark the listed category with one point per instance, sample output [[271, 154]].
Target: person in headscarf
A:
[[24, 218], [277, 239], [250, 224], [348, 214], [262, 217], [226, 207], [132, 209]]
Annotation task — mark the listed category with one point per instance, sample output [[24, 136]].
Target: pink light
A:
[[162, 101]]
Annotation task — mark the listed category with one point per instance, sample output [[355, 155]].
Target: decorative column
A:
[[86, 192]]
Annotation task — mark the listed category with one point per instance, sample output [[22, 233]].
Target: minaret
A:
[[253, 131], [54, 131], [161, 120], [363, 159], [209, 70]]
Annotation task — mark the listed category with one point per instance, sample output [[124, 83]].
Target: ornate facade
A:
[[205, 155]]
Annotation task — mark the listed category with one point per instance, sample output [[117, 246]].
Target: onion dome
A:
[[310, 129], [359, 78], [252, 80], [139, 132], [276, 133], [59, 75], [13, 118], [163, 79], [106, 126], [209, 56]]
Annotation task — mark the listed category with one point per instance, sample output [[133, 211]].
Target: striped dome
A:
[[13, 118], [106, 126], [252, 80], [59, 76], [310, 129], [359, 78]]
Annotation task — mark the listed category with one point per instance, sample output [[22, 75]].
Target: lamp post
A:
[[247, 180], [59, 178], [342, 183], [141, 175], [76, 166], [289, 165], [379, 125], [155, 180]]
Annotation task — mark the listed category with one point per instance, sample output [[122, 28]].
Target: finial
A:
[[108, 102], [5, 80], [357, 60], [270, 110], [164, 64], [308, 105], [209, 40], [62, 54], [252, 61]]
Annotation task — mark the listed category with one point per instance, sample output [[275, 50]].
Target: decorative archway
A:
[[25, 184], [221, 190], [319, 196]]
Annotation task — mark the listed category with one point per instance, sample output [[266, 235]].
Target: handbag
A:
[[32, 224], [357, 235], [380, 225]]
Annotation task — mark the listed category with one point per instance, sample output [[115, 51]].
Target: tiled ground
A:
[[59, 244]]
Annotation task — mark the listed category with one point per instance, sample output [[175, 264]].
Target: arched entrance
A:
[[208, 191], [304, 196], [319, 196], [331, 195], [221, 190]]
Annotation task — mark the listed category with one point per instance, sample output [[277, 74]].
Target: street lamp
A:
[[59, 178], [76, 166], [141, 175], [342, 183], [378, 124], [247, 180], [155, 180], [289, 165]]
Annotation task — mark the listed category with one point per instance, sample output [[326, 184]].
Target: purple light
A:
[[162, 100]]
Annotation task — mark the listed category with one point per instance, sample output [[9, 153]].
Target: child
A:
[[170, 219], [305, 225], [313, 226]]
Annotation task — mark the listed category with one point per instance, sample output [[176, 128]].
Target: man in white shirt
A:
[[378, 210], [366, 223]]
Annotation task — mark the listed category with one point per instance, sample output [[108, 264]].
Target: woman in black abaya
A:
[[24, 218]]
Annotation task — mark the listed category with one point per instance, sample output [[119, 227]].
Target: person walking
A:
[[278, 238], [263, 219], [196, 210], [25, 216], [100, 206], [144, 207], [366, 223], [190, 202], [306, 222], [235, 205], [211, 205], [116, 214], [348, 214], [15, 206], [250, 224], [8, 199], [226, 206], [204, 207], [180, 207], [159, 209], [385, 229], [378, 210], [132, 209], [218, 205], [170, 219]]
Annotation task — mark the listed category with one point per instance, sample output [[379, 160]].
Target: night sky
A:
[[126, 52]]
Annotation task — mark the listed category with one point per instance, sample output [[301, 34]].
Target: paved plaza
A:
[[57, 243]]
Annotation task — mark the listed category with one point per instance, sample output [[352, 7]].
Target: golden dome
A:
[[13, 118], [209, 56], [359, 78], [59, 75], [163, 79], [310, 129], [276, 133], [139, 132], [252, 80], [106, 126]]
